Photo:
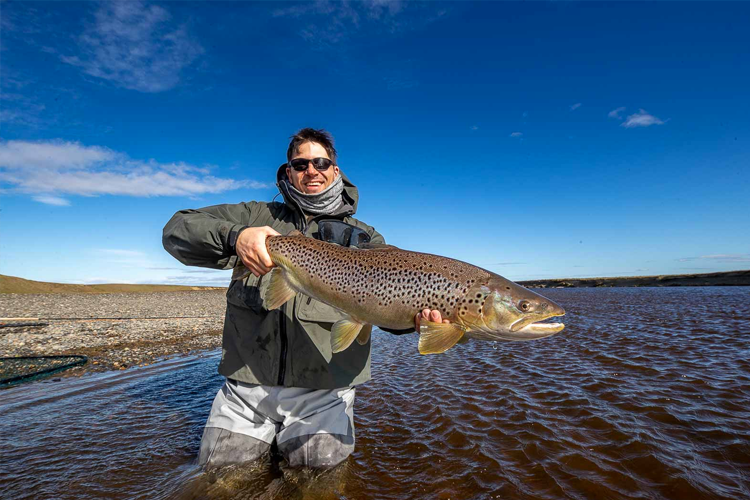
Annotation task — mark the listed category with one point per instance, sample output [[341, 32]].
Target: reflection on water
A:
[[644, 395]]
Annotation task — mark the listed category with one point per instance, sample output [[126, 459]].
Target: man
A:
[[283, 383]]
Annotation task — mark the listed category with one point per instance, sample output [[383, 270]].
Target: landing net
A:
[[28, 368]]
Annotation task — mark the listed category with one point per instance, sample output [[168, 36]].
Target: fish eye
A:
[[524, 305]]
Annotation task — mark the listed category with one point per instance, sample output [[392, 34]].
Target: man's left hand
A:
[[429, 315]]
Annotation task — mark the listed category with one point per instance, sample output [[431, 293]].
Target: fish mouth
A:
[[529, 329]]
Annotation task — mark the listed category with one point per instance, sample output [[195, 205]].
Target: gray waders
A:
[[312, 428]]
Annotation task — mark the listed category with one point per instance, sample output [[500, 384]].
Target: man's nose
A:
[[311, 170]]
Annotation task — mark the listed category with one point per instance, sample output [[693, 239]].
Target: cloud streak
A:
[[641, 119], [516, 134], [575, 106], [615, 113], [49, 170], [135, 46]]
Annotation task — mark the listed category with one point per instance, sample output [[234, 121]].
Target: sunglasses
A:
[[320, 164]]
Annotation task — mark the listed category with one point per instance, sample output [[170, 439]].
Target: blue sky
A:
[[537, 140]]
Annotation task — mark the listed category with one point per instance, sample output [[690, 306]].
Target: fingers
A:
[[429, 315], [266, 264], [251, 248]]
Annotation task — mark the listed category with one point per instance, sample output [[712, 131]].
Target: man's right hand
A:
[[251, 249]]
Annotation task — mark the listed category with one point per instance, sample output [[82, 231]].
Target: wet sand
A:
[[115, 331]]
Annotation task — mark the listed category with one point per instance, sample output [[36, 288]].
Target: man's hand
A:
[[429, 315], [251, 248]]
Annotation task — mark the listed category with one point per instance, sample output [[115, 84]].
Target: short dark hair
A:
[[321, 136]]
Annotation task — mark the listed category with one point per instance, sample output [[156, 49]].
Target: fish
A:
[[385, 286]]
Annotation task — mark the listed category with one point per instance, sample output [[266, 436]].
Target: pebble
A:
[[157, 325]]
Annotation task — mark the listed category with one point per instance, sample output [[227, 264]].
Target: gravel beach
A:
[[115, 330]]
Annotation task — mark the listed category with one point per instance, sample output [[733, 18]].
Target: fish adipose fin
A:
[[364, 334], [295, 232], [278, 291], [344, 332], [435, 338]]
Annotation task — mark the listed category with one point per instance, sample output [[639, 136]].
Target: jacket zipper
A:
[[282, 331]]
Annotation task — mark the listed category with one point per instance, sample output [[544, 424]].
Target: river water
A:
[[645, 394]]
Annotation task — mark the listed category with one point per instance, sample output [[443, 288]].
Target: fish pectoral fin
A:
[[240, 272], [364, 334], [344, 332], [377, 246], [435, 338], [279, 290]]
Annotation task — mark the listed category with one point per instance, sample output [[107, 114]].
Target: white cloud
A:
[[516, 134], [327, 24], [575, 106], [52, 200], [474, 127], [641, 119], [136, 46], [615, 113], [47, 170]]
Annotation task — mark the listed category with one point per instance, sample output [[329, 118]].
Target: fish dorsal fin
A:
[[279, 290], [364, 334], [295, 232], [344, 332], [240, 272], [377, 246], [435, 338]]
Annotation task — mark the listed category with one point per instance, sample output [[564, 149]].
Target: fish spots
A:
[[392, 282]]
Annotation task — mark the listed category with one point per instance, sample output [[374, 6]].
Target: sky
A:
[[536, 139]]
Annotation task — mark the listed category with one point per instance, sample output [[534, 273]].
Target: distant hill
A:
[[728, 278], [11, 284]]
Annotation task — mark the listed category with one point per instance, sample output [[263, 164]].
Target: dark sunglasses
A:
[[320, 164]]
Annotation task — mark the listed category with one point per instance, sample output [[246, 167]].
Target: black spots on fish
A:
[[479, 295]]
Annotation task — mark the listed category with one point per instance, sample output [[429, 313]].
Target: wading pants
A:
[[312, 428]]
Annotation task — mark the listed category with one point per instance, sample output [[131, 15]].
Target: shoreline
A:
[[114, 331], [725, 278]]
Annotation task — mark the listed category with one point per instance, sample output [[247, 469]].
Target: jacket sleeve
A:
[[201, 237]]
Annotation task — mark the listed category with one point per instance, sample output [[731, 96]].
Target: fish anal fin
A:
[[377, 246], [364, 334], [343, 333], [279, 291], [436, 338]]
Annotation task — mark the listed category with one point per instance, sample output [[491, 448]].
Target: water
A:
[[646, 394]]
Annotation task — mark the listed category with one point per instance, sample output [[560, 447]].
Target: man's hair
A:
[[320, 136]]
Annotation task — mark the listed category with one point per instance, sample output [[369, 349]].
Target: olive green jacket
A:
[[289, 346]]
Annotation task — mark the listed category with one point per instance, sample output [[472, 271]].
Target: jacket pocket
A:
[[249, 292], [315, 311]]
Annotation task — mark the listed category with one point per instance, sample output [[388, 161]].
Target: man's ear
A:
[[288, 174], [336, 171]]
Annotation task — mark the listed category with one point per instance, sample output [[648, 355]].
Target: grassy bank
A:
[[11, 284]]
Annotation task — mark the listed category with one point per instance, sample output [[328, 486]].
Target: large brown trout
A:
[[385, 286]]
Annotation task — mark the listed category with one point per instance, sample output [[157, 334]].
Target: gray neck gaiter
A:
[[326, 202]]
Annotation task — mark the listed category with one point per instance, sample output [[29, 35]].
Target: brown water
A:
[[646, 394]]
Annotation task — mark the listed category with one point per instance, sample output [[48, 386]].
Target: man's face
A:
[[311, 181]]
